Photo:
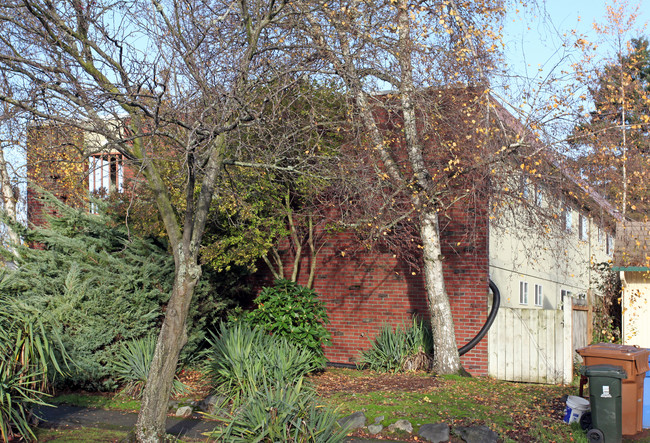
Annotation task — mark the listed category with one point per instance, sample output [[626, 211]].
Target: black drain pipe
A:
[[496, 301]]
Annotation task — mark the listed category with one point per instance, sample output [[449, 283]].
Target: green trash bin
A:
[[605, 401]]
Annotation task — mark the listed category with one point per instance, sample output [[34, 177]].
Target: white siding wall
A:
[[533, 342], [636, 309]]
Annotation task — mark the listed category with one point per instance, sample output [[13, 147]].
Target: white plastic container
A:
[[575, 407]]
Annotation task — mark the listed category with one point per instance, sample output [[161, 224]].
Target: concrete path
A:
[[75, 416]]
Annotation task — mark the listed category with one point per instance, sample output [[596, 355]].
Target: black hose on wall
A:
[[496, 301]]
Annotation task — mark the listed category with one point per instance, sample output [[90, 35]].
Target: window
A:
[[600, 235], [523, 292], [538, 196], [106, 173], [567, 219], [524, 186], [583, 224], [538, 295], [609, 245]]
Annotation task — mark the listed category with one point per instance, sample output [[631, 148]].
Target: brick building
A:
[[71, 165], [363, 290]]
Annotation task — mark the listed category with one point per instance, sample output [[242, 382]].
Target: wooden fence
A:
[[531, 345]]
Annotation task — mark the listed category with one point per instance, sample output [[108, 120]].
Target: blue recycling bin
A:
[[646, 399]]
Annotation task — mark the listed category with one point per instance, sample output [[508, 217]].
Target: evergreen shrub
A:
[[261, 376], [132, 364], [281, 413], [295, 312], [102, 285]]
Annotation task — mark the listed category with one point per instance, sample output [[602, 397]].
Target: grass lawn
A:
[[80, 435], [104, 401], [518, 412]]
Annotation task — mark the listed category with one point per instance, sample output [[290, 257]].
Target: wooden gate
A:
[[531, 345], [582, 321]]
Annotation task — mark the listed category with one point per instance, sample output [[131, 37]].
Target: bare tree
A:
[[151, 78], [432, 136]]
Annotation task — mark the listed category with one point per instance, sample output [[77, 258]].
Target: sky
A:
[[533, 39], [540, 43]]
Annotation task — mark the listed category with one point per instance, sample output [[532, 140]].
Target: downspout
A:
[[496, 301]]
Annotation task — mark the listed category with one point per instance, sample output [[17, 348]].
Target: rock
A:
[[477, 434], [379, 419], [436, 433], [184, 411], [172, 404], [211, 403], [353, 421], [401, 425], [375, 429]]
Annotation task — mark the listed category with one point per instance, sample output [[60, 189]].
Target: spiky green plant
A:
[[28, 353], [132, 363], [400, 349], [281, 412], [241, 357]]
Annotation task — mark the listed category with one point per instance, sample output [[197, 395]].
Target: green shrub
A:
[[401, 349], [607, 305], [280, 412], [241, 358], [132, 363], [293, 311], [103, 285]]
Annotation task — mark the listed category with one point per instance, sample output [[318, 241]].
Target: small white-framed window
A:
[[538, 295], [600, 235], [106, 173], [568, 219], [523, 293], [538, 197], [583, 225], [609, 244]]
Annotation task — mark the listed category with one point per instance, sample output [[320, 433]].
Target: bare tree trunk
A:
[[446, 359], [150, 427], [9, 202]]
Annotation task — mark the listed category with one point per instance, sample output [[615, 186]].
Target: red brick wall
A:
[[55, 163], [364, 290]]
